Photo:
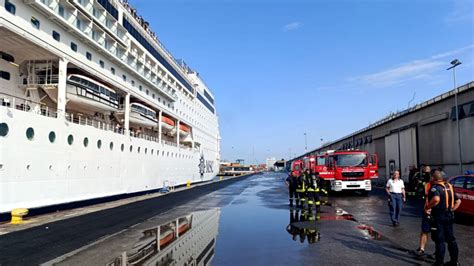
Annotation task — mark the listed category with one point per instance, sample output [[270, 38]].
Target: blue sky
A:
[[280, 69]]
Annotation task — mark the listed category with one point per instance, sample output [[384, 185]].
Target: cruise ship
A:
[[92, 105]]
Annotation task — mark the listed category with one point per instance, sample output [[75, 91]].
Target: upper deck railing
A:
[[10, 101]]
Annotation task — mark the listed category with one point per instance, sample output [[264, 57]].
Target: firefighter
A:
[[420, 180], [291, 181], [312, 191], [442, 204], [301, 190]]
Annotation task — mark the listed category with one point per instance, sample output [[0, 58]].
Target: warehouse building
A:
[[423, 134]]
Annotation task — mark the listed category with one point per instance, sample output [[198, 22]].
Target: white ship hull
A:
[[80, 151], [38, 173]]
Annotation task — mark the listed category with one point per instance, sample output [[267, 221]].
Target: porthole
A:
[[111, 146], [50, 167], [131, 148], [146, 150], [151, 151], [52, 137], [28, 167], [86, 142], [3, 129], [99, 144], [30, 133], [138, 149], [122, 147], [70, 139]]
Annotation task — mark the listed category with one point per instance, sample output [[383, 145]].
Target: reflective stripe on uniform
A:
[[447, 196]]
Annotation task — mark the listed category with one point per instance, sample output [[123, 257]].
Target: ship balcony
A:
[[65, 15], [101, 18]]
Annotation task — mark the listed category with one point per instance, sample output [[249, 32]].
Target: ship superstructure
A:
[[93, 105]]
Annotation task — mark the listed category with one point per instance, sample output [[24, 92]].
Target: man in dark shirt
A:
[[442, 204], [292, 181]]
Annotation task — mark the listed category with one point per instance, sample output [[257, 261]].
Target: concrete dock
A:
[[243, 221]]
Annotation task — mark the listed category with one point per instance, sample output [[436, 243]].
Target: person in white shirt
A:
[[396, 191]]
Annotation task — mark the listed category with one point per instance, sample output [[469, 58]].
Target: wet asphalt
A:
[[255, 226]]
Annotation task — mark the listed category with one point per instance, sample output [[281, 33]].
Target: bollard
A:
[[188, 184], [17, 215]]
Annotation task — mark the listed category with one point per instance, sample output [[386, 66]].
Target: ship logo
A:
[[205, 166], [202, 165]]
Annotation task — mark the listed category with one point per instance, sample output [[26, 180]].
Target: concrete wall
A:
[[426, 135]]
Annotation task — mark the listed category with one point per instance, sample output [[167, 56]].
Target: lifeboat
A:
[[89, 96], [167, 123], [183, 228], [140, 115], [184, 130], [167, 237]]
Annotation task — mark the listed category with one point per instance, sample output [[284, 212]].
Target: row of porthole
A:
[[30, 134], [28, 167]]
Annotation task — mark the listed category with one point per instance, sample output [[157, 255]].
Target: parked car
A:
[[464, 189]]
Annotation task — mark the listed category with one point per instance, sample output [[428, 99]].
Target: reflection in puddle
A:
[[303, 225], [187, 240], [370, 231]]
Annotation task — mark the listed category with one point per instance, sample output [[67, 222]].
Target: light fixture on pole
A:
[[305, 143], [453, 66]]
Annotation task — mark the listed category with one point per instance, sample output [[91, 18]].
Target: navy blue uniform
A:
[[292, 185], [442, 224]]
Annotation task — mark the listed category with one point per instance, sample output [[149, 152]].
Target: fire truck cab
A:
[[347, 170]]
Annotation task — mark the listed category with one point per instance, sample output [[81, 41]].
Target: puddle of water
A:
[[254, 226], [184, 239]]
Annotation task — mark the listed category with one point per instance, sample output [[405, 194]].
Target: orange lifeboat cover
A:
[[184, 128], [167, 120]]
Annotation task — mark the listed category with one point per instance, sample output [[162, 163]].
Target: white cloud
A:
[[421, 69], [292, 26], [463, 11]]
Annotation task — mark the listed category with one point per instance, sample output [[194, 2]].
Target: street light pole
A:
[[454, 64], [305, 143]]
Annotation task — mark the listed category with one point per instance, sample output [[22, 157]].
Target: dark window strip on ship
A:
[[209, 97], [209, 257], [136, 34], [109, 7], [208, 105], [204, 252]]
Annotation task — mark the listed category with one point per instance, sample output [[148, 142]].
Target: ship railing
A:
[[25, 105], [40, 80], [137, 134], [170, 143], [81, 120]]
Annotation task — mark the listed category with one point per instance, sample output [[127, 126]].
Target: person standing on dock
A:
[[396, 191], [291, 181], [301, 189], [442, 202], [312, 191]]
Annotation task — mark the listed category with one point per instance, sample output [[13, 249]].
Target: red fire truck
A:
[[344, 169]]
